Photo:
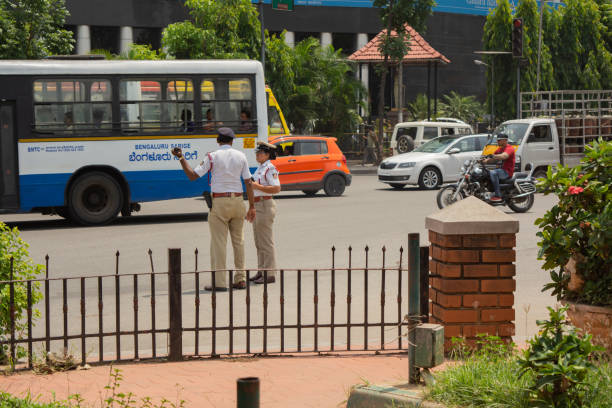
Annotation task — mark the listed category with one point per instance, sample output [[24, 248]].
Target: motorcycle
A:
[[517, 192]]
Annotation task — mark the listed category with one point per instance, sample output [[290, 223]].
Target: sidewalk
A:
[[356, 167], [312, 381]]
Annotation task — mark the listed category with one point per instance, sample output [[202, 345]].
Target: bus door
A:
[[8, 157]]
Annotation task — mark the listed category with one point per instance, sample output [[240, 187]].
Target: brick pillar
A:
[[472, 270]]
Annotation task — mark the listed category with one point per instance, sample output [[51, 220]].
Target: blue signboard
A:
[[477, 7]]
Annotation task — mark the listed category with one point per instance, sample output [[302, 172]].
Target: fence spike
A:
[[117, 263], [47, 266], [151, 260], [196, 252], [333, 257]]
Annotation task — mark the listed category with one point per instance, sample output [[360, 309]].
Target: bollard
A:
[[247, 392], [414, 304]]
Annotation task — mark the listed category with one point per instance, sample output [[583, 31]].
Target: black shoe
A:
[[217, 289], [257, 276], [260, 281], [239, 285]]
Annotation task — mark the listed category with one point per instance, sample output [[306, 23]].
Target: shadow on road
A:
[[132, 220]]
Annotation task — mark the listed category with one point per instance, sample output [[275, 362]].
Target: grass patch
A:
[[489, 377]]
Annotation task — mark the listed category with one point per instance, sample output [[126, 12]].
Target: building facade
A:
[[455, 29]]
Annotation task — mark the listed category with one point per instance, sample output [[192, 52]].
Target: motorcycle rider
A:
[[505, 152]]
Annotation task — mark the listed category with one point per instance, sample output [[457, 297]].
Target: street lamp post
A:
[[478, 62]]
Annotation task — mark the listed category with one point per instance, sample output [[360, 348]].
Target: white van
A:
[[408, 135]]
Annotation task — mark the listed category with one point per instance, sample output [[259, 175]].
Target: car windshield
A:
[[436, 145], [515, 132]]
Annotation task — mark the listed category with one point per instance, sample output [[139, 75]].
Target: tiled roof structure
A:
[[420, 50]]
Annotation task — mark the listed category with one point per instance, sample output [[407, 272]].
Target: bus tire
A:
[[95, 199]]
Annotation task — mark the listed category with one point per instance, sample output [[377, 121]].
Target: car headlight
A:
[[408, 164]]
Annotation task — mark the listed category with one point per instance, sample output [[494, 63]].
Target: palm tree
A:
[[466, 108], [418, 108]]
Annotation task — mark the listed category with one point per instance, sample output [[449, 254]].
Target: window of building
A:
[[147, 36], [105, 38], [72, 106]]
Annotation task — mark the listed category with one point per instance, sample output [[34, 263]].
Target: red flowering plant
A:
[[576, 233]]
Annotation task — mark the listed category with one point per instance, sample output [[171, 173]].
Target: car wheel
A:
[[430, 178], [539, 174], [95, 199], [310, 193], [334, 185], [405, 144], [397, 186]]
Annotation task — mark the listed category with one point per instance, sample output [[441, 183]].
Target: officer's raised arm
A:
[[191, 174]]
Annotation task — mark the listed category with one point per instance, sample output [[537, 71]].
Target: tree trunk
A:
[[381, 112]]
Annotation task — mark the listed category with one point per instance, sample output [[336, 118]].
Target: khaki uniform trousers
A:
[[265, 211], [227, 214]]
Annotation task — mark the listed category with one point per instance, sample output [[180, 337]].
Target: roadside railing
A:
[[135, 316]]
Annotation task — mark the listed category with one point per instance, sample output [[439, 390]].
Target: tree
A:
[[32, 29], [219, 29], [466, 108], [418, 108], [394, 44], [497, 36], [528, 11]]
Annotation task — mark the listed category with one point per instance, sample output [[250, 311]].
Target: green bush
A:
[[580, 226], [559, 360], [558, 370], [13, 247]]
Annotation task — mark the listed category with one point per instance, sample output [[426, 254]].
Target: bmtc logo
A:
[[34, 149]]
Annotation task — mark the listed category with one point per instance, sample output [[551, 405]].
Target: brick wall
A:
[[472, 284]]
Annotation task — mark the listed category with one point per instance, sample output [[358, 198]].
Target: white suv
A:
[[408, 135]]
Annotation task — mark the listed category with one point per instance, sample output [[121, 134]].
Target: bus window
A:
[[154, 106], [227, 103], [180, 110], [65, 106]]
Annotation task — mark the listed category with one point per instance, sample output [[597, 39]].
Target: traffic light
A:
[[517, 37]]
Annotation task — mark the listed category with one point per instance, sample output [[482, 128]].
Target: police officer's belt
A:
[[258, 199], [217, 195]]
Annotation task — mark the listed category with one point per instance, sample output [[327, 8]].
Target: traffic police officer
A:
[[228, 167], [265, 183]]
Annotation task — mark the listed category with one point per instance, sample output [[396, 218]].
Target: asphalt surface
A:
[[368, 214]]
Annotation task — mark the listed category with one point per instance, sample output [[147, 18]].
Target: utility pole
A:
[[263, 37], [540, 45]]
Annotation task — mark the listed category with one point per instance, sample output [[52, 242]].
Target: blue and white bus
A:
[[91, 139]]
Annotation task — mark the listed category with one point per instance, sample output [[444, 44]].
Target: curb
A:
[[363, 169], [384, 396]]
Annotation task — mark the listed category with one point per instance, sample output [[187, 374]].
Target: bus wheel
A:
[[95, 199]]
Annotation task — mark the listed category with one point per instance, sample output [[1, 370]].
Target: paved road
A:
[[306, 228]]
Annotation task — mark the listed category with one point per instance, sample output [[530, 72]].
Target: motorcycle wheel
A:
[[445, 196], [521, 205]]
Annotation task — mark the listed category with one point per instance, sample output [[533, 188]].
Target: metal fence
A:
[[134, 316]]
